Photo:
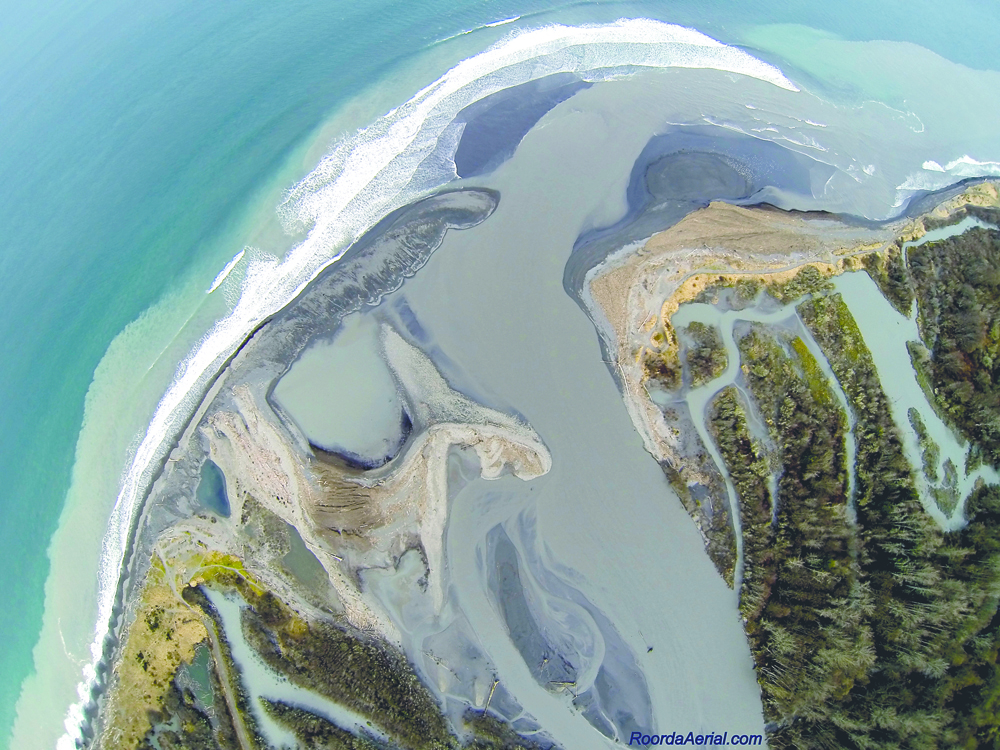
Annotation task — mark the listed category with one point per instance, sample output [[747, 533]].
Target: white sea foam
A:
[[937, 177], [225, 271], [493, 25], [366, 176], [504, 22]]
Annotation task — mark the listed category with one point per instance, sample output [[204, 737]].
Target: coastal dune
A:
[[635, 292]]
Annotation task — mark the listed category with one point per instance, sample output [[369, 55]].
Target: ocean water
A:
[[144, 148]]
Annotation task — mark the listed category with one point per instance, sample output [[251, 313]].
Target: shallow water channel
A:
[[886, 333], [260, 681], [943, 233], [698, 399]]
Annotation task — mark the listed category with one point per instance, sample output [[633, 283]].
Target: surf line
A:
[[504, 22], [365, 177]]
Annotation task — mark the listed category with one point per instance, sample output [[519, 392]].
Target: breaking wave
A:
[[367, 175], [936, 177]]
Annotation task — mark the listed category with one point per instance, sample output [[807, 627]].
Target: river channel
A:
[[886, 333], [619, 621]]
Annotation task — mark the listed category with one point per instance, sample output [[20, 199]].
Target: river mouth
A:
[[600, 540], [436, 426]]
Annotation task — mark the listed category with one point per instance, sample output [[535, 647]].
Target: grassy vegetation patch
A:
[[164, 634], [809, 280]]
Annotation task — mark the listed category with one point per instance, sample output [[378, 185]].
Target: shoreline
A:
[[312, 296], [158, 456], [632, 291], [270, 474], [76, 510], [272, 285], [745, 246]]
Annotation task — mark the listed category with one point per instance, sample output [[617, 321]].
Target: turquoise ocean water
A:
[[142, 147]]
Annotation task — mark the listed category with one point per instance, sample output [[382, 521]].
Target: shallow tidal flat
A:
[[603, 520], [428, 504], [827, 382], [569, 596]]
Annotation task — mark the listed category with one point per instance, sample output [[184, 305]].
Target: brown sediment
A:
[[732, 241], [340, 511], [718, 245], [982, 195], [636, 293]]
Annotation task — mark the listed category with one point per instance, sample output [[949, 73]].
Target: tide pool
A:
[[341, 395]]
